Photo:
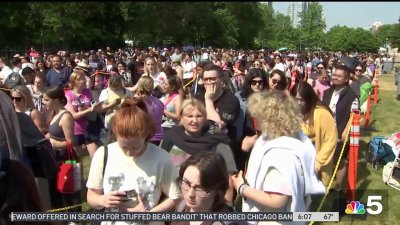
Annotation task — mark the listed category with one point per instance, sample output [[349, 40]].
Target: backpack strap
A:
[[105, 158]]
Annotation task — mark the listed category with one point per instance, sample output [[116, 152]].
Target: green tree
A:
[[337, 39], [284, 34], [362, 40], [76, 24], [312, 26], [13, 25], [266, 27], [391, 32], [249, 21], [342, 38]]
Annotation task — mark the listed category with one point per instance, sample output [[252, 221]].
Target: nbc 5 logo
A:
[[374, 206]]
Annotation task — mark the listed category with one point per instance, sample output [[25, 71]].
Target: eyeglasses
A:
[[274, 81], [200, 192], [17, 99], [210, 79], [255, 82]]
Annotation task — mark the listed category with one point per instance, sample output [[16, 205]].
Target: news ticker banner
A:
[[173, 216]]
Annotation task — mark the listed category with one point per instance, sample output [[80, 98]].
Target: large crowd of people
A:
[[209, 130]]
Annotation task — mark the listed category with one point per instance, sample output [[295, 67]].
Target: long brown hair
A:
[[311, 101]]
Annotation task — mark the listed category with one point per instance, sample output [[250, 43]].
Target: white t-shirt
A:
[[205, 56], [188, 69], [149, 175], [280, 66], [104, 95], [28, 64], [5, 72], [158, 78]]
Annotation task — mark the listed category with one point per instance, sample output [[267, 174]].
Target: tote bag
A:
[[69, 177]]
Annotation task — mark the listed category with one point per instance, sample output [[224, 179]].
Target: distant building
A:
[[375, 27], [294, 11], [367, 29]]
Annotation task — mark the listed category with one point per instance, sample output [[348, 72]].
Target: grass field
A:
[[384, 121]]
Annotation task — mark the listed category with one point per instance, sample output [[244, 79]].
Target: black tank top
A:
[[55, 131]]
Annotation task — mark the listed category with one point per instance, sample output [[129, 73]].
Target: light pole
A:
[[41, 37], [387, 45], [300, 45]]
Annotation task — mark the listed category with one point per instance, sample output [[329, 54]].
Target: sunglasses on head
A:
[[210, 79], [17, 99], [255, 82]]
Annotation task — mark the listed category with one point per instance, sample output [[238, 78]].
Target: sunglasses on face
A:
[[255, 82], [357, 70], [17, 99], [274, 81], [210, 79]]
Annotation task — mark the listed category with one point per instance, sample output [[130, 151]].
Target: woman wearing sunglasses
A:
[[23, 102], [277, 80], [361, 85], [203, 179], [257, 64], [279, 65], [256, 81]]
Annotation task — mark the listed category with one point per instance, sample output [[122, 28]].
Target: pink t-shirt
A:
[[85, 98], [320, 88]]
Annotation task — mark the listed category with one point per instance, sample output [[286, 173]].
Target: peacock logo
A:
[[355, 207]]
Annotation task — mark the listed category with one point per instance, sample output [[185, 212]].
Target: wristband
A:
[[241, 189]]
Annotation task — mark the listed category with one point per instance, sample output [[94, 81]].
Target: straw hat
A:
[[83, 66]]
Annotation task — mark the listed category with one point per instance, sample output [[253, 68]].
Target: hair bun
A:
[[134, 101]]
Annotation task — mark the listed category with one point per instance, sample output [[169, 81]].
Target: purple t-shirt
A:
[[85, 99], [155, 107]]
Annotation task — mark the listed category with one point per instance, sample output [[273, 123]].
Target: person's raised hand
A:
[[140, 207], [113, 199]]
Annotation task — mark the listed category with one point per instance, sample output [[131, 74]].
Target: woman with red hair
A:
[[131, 174]]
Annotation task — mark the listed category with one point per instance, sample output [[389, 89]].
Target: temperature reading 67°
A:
[[328, 216]]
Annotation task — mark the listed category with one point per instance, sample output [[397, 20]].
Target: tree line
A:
[[90, 25]]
